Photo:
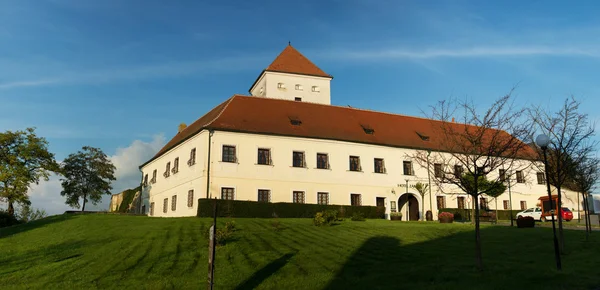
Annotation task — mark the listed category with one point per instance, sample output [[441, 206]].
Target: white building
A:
[[287, 143]]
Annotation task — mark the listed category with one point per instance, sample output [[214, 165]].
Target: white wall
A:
[[270, 81]]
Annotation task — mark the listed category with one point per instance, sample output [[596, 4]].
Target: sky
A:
[[121, 75]]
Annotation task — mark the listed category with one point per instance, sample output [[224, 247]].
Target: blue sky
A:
[[121, 75]]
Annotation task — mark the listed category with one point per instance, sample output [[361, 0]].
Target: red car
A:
[[567, 215]]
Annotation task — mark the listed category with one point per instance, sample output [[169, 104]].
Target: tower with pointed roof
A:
[[292, 76]]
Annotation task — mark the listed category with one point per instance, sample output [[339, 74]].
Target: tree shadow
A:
[[17, 229], [264, 273]]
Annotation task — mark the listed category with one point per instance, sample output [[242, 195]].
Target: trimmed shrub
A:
[[525, 222], [7, 220], [325, 218], [466, 214], [253, 209], [358, 217]]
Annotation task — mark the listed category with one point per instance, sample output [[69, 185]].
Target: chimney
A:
[[181, 127], [452, 119]]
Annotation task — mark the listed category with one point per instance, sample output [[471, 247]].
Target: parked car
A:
[[567, 215], [535, 213]]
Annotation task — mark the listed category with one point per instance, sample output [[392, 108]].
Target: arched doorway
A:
[[408, 202]]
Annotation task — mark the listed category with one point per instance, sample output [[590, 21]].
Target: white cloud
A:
[[46, 195]]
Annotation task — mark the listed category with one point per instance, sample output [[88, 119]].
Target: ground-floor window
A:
[[174, 202], [393, 206], [505, 203], [227, 193], [323, 198], [483, 203], [264, 195], [190, 202], [298, 196], [460, 202], [441, 202], [380, 201], [355, 199], [523, 205], [165, 205], [152, 209]]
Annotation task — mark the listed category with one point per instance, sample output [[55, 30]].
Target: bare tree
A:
[[481, 143], [584, 178], [570, 132]]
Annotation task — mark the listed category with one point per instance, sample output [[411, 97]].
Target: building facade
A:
[[287, 143]]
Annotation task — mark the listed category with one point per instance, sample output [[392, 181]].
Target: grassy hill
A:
[[133, 252]]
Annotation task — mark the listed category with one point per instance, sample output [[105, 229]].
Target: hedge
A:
[[7, 220], [465, 214], [254, 209]]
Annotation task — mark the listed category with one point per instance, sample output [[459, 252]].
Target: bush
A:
[[466, 214], [223, 234], [325, 218], [276, 224], [525, 222], [445, 215], [358, 217], [7, 220], [253, 209]]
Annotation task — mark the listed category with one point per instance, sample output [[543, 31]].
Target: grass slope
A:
[[108, 251]]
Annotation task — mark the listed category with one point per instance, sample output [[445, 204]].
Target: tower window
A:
[[280, 85], [298, 87], [316, 89]]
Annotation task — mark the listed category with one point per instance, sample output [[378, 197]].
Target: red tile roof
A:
[[317, 121], [291, 60]]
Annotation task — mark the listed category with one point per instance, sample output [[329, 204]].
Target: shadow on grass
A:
[[13, 230], [513, 258], [265, 272]]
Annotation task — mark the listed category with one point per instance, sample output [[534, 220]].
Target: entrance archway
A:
[[408, 202]]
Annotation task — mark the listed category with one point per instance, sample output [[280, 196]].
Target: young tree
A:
[[569, 131], [24, 160], [422, 189], [584, 178], [480, 144], [26, 214], [88, 174]]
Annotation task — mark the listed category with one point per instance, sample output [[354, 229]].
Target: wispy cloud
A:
[[116, 74], [470, 52]]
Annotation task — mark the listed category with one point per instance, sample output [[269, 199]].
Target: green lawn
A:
[[128, 252]]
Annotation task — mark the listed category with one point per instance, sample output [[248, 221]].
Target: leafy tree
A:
[[422, 189], [479, 143], [492, 188], [24, 160], [88, 174], [585, 176], [570, 135], [26, 214]]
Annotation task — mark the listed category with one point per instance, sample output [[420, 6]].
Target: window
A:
[[175, 165], [146, 180], [461, 202], [298, 196], [323, 198], [165, 205], [264, 156], [368, 129], [505, 204], [152, 209], [441, 202], [227, 193], [379, 165], [316, 89], [458, 171], [298, 159], [295, 121], [297, 99], [355, 163], [502, 175], [280, 85], [483, 203], [480, 170], [174, 202], [153, 180], [520, 177], [192, 160], [264, 195], [322, 161], [407, 165], [523, 204], [541, 178], [298, 87], [167, 170], [437, 170], [380, 201], [190, 202], [393, 206], [228, 153], [355, 199]]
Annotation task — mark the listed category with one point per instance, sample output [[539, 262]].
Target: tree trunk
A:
[[11, 208], [561, 237], [587, 215], [84, 199], [587, 233], [478, 258], [423, 207]]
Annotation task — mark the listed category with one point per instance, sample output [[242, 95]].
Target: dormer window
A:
[[280, 85], [316, 89], [423, 136], [298, 87], [368, 129], [295, 121]]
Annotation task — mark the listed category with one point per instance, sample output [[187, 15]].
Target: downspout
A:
[[210, 133], [141, 192]]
